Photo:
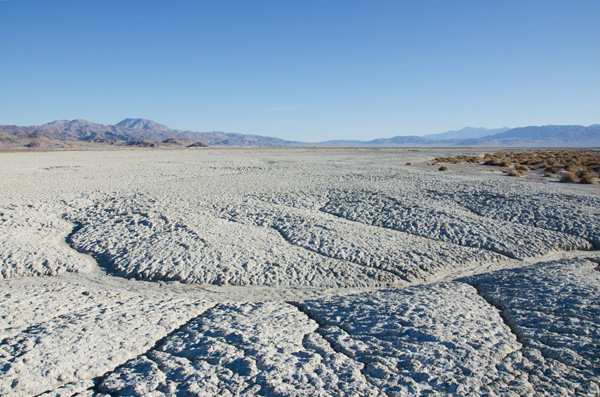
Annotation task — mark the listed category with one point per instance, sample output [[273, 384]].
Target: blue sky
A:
[[303, 70]]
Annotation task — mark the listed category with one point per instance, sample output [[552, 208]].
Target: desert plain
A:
[[293, 272]]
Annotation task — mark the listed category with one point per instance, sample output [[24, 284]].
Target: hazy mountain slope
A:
[[542, 136], [466, 133], [381, 142], [242, 140], [402, 140]]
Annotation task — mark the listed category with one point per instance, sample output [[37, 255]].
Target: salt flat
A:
[[293, 272]]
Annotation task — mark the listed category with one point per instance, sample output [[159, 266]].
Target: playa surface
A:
[[293, 272]]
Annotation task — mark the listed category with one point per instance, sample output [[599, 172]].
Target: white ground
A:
[[292, 272]]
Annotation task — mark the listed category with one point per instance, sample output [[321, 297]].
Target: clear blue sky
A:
[[304, 70]]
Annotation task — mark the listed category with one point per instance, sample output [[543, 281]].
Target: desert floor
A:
[[293, 272]]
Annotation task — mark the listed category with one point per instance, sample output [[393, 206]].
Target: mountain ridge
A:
[[144, 132]]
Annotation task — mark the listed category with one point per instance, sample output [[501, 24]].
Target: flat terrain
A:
[[293, 272]]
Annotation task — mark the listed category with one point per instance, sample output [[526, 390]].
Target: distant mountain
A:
[[224, 139], [466, 133], [129, 132], [74, 130], [143, 124], [397, 141], [147, 133], [401, 140], [449, 138], [542, 136]]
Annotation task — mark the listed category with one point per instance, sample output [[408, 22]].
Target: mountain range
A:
[[147, 133], [129, 132]]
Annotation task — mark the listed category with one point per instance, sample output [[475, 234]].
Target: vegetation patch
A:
[[572, 165]]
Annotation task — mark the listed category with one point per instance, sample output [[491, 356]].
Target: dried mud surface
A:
[[292, 272]]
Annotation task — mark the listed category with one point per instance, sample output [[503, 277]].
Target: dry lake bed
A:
[[291, 273]]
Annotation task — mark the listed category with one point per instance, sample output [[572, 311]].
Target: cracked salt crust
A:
[[264, 271], [249, 348]]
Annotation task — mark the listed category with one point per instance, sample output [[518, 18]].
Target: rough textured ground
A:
[[292, 272]]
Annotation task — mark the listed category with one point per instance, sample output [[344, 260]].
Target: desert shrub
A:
[[552, 161], [569, 177], [549, 175], [455, 159], [409, 163], [535, 163], [513, 172], [443, 168], [589, 178], [492, 159]]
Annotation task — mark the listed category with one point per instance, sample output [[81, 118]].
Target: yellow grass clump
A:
[[572, 165], [569, 177]]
